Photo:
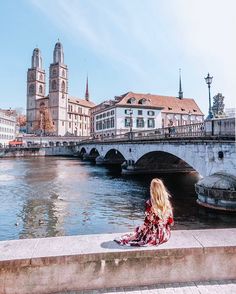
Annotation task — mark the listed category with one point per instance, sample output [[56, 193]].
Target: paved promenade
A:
[[64, 265], [213, 287]]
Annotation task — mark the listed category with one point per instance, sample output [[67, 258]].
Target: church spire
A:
[[36, 59], [87, 91], [180, 86], [58, 53]]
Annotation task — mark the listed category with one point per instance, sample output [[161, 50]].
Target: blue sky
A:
[[123, 45]]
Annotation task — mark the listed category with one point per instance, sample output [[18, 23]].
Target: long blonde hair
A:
[[160, 199]]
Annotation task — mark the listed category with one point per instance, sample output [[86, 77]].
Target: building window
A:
[[127, 122], [40, 89], [112, 112], [142, 101], [112, 123], [131, 100], [62, 123], [140, 123], [69, 124], [54, 85], [31, 89], [151, 123], [151, 112], [140, 112], [63, 86], [54, 72]]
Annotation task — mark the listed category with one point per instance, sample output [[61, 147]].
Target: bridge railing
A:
[[191, 130], [215, 128]]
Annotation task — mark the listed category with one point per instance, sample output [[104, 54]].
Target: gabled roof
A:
[[169, 104], [81, 102]]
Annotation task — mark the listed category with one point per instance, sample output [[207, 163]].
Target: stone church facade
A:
[[56, 113]]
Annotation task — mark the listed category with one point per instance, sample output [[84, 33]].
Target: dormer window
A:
[[182, 109], [131, 100], [169, 108], [142, 101], [194, 110]]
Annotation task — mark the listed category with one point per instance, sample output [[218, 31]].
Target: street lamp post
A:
[[131, 124], [208, 80]]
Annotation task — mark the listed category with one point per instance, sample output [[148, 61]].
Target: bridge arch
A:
[[114, 156], [82, 151], [94, 153], [162, 161]]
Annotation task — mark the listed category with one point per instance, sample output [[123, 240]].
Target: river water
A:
[[55, 196]]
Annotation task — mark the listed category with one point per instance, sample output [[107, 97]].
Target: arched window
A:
[[41, 77], [31, 77], [131, 100], [40, 89], [54, 72], [54, 85], [31, 89], [63, 73], [63, 86], [142, 101]]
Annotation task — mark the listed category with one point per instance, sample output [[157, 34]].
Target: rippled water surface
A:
[[43, 197]]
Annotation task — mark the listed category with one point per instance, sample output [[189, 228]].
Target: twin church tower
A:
[[67, 116]]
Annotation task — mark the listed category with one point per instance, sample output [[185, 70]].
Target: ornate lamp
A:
[[208, 80]]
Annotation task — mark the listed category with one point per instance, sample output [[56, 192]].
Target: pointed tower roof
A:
[[36, 61], [87, 91], [180, 86], [58, 53]]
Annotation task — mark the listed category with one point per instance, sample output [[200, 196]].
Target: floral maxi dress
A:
[[154, 230]]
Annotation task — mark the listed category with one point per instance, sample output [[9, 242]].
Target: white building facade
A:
[[56, 113], [7, 127], [140, 112]]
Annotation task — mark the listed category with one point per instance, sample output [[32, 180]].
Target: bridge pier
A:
[[217, 191], [100, 160]]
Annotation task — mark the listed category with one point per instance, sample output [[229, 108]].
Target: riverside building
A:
[[140, 112], [7, 126], [56, 113]]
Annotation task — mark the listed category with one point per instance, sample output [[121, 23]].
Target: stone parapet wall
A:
[[51, 265]]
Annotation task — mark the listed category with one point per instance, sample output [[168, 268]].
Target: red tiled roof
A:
[[168, 104], [81, 102]]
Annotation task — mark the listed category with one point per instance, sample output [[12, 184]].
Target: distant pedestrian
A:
[[158, 219]]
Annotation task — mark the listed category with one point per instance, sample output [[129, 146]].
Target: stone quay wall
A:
[[51, 265], [36, 151]]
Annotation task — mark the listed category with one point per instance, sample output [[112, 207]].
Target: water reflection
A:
[[60, 196]]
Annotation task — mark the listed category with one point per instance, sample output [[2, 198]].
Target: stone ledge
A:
[[57, 264]]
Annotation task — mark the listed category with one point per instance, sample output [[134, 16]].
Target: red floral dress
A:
[[154, 230]]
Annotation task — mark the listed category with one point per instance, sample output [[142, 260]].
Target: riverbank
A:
[[36, 151], [51, 265]]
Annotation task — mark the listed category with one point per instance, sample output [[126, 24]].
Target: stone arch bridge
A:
[[214, 160], [204, 156]]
